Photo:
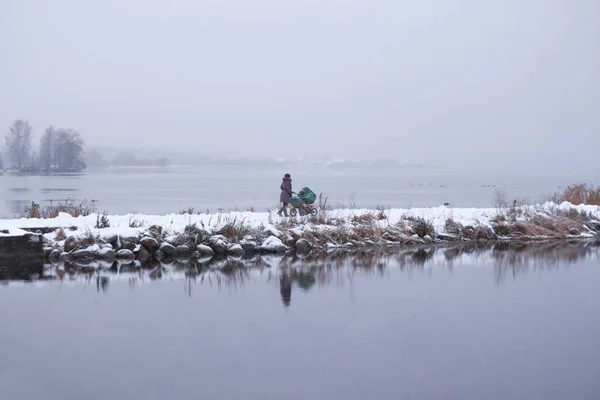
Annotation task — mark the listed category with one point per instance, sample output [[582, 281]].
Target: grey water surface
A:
[[213, 187], [477, 322]]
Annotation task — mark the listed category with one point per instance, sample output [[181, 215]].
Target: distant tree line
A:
[[60, 150], [124, 159]]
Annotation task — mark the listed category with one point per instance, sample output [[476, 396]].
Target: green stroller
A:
[[302, 202]]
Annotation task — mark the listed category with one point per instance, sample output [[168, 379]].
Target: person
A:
[[286, 193]]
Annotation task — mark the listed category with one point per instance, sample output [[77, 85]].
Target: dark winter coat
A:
[[286, 190]]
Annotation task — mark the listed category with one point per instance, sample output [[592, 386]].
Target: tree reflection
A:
[[505, 259]]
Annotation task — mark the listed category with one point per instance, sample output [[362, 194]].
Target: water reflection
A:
[[505, 260]]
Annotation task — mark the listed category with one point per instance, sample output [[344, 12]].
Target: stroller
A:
[[302, 202]]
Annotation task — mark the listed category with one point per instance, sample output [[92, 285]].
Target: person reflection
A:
[[102, 283], [285, 288]]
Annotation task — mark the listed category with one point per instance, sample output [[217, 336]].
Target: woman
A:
[[286, 193]]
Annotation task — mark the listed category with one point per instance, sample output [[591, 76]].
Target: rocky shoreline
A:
[[328, 232]]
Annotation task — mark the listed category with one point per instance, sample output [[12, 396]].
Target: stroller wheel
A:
[[293, 212], [314, 212]]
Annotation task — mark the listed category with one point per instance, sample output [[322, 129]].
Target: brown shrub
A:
[[423, 228], [594, 197], [581, 194], [452, 227], [233, 231], [502, 229], [363, 219], [60, 235]]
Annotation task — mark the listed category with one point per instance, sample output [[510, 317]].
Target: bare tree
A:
[[47, 149], [69, 150], [18, 143], [61, 150]]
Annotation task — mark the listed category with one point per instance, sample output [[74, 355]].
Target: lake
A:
[[209, 188], [475, 322]]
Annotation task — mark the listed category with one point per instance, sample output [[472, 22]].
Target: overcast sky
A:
[[511, 83]]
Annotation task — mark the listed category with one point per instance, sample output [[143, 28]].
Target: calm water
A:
[[160, 191], [472, 323]]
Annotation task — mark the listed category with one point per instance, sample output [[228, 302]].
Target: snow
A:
[[273, 244], [12, 230], [172, 223]]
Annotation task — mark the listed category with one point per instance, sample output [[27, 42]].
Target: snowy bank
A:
[[136, 236]]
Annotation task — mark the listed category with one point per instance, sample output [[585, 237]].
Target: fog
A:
[[503, 84]]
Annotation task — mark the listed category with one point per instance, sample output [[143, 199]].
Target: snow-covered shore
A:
[[239, 233]]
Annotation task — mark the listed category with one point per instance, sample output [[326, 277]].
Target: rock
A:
[[303, 246], [106, 246], [64, 256], [273, 231], [113, 240], [235, 250], [427, 239], [273, 244], [289, 241], [54, 256], [71, 244], [204, 259], [47, 251], [106, 254], [155, 231], [141, 253], [296, 234], [167, 248], [204, 250], [357, 243], [249, 245], [125, 254], [183, 251], [129, 242], [83, 254], [149, 243], [219, 244], [159, 255]]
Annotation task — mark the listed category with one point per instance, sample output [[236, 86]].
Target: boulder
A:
[[159, 255], [141, 253], [249, 245], [71, 244], [235, 250], [219, 244], [155, 231], [273, 244], [204, 250], [54, 256], [129, 242], [273, 231], [83, 254], [289, 241], [183, 251], [106, 254], [47, 251], [125, 254], [303, 246], [113, 240], [167, 248], [149, 243]]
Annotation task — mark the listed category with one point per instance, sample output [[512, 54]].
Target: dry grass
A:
[[423, 228], [60, 235], [69, 206], [234, 231], [579, 194], [454, 228]]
